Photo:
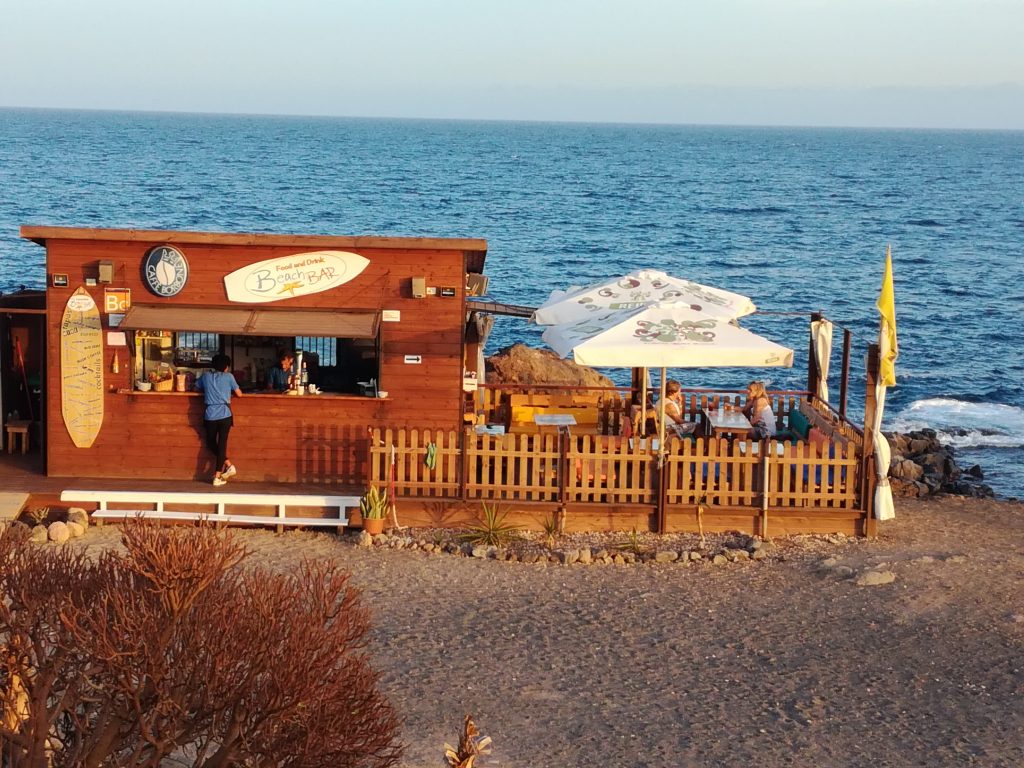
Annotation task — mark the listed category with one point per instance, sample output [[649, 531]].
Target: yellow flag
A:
[[887, 346]]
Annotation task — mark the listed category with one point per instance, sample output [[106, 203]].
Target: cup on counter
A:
[[382, 393]]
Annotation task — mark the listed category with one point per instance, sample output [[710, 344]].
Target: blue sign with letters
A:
[[164, 270]]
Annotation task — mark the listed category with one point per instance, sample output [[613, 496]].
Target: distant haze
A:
[[899, 63]]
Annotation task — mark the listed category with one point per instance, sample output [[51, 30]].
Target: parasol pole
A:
[[643, 403], [661, 421]]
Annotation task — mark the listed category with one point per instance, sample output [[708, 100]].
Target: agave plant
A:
[[550, 527], [38, 515], [471, 746], [632, 543], [491, 528]]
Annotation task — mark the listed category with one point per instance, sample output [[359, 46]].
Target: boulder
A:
[[520, 364], [39, 534], [78, 515], [58, 532], [76, 530], [906, 469]]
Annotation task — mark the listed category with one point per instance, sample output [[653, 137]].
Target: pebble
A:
[[719, 560], [875, 578], [363, 539], [586, 557], [666, 556]]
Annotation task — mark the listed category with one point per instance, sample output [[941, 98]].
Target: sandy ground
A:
[[764, 663]]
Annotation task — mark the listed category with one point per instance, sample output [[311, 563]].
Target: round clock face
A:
[[164, 270]]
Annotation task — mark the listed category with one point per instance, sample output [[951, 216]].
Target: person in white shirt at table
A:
[[675, 424], [758, 411]]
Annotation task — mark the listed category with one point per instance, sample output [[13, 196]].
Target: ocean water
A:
[[798, 219]]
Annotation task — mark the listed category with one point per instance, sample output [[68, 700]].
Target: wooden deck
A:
[[23, 475]]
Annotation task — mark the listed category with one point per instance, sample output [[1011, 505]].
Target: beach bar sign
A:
[[289, 277]]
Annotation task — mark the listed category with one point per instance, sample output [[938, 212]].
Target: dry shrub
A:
[[177, 648]]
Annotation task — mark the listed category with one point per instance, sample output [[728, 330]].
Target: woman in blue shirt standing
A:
[[217, 387]]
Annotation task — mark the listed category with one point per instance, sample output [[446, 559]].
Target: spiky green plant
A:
[[374, 504], [632, 543], [491, 528], [550, 527]]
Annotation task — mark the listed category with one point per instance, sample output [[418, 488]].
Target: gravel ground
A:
[[783, 662]]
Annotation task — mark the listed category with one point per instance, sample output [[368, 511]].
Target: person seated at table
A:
[[675, 424], [758, 411]]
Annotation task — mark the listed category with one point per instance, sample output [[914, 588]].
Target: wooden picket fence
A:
[[598, 469]]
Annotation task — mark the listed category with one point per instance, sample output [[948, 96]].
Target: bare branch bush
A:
[[176, 647]]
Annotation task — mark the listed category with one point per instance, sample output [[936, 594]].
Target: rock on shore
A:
[[520, 364], [922, 466]]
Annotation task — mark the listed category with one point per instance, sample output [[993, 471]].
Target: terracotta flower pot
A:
[[374, 525]]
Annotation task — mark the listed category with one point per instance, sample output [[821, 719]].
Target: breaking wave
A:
[[963, 424]]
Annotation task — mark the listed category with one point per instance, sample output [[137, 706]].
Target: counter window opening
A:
[[335, 365]]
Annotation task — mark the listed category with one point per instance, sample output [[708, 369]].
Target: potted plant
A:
[[373, 506]]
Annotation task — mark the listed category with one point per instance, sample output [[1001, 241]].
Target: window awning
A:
[[254, 322]]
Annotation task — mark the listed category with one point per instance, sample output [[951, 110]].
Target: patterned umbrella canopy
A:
[[639, 288], [668, 334]]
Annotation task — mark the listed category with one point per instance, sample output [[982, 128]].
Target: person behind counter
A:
[[217, 387], [277, 378]]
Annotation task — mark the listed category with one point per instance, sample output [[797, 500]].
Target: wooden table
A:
[[722, 422], [560, 420]]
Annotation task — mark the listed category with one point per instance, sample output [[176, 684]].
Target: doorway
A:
[[23, 380]]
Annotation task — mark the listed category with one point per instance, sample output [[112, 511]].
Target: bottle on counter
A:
[[303, 379]]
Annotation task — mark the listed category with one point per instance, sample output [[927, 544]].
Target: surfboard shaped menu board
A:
[[81, 369], [289, 277]]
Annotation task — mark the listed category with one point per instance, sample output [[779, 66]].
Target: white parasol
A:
[[634, 290], [666, 335]]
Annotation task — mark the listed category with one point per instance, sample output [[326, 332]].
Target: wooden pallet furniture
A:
[[216, 507], [523, 408]]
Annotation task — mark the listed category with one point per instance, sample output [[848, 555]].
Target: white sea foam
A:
[[964, 424]]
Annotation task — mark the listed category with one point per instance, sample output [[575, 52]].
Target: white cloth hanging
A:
[[821, 333], [884, 508]]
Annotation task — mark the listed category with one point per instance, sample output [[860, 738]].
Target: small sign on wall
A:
[[117, 300], [59, 280], [413, 359], [391, 316]]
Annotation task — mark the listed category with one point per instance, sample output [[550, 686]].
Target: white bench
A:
[[219, 501]]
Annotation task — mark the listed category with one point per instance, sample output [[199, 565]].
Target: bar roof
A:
[[474, 249]]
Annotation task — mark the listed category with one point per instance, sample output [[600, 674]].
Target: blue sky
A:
[[927, 63]]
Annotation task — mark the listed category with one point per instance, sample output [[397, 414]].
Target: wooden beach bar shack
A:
[[391, 331], [381, 322]]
